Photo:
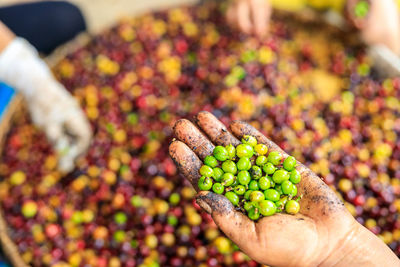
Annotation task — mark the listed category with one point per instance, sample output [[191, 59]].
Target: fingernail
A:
[[203, 205], [211, 202]]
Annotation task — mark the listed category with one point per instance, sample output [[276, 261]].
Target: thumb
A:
[[79, 128], [271, 239], [66, 151], [53, 132], [237, 226]]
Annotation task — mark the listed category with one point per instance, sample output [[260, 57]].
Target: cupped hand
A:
[[381, 25], [323, 233], [250, 16]]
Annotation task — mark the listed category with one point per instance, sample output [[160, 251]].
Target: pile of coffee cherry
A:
[[305, 86]]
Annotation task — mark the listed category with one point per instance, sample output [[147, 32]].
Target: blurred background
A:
[[102, 13], [300, 87]]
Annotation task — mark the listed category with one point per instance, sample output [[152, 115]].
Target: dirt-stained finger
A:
[[215, 129], [187, 161], [236, 225], [188, 133]]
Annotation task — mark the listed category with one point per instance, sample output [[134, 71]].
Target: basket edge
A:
[[9, 247]]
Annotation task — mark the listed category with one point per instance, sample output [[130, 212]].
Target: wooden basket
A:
[[9, 247]]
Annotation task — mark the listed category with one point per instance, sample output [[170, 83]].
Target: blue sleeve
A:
[[6, 95]]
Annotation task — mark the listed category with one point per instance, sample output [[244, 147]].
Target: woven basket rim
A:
[[9, 247]]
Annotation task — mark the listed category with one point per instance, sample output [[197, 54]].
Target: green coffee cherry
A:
[[289, 163], [275, 158], [280, 175], [231, 151], [205, 183], [250, 140], [211, 161], [206, 171], [218, 188], [229, 166], [292, 207], [220, 153], [232, 197], [217, 174], [261, 160], [267, 207], [269, 168], [272, 194], [295, 176], [244, 150]]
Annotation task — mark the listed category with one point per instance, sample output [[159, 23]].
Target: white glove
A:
[[52, 107]]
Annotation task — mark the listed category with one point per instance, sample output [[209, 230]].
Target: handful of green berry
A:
[[256, 183]]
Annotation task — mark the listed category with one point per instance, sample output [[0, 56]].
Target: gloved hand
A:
[[250, 16], [381, 25], [51, 107]]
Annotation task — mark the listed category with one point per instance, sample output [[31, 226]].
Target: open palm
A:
[[313, 237]]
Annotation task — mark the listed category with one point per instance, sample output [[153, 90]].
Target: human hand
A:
[[250, 16], [381, 25], [323, 233], [65, 124], [51, 107]]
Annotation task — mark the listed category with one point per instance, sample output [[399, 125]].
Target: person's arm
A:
[[361, 248], [6, 36], [51, 106], [323, 233]]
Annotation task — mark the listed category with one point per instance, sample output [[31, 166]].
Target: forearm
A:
[[369, 250], [361, 248], [6, 36]]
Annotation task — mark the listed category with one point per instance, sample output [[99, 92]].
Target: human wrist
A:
[[6, 36], [360, 247], [22, 68]]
